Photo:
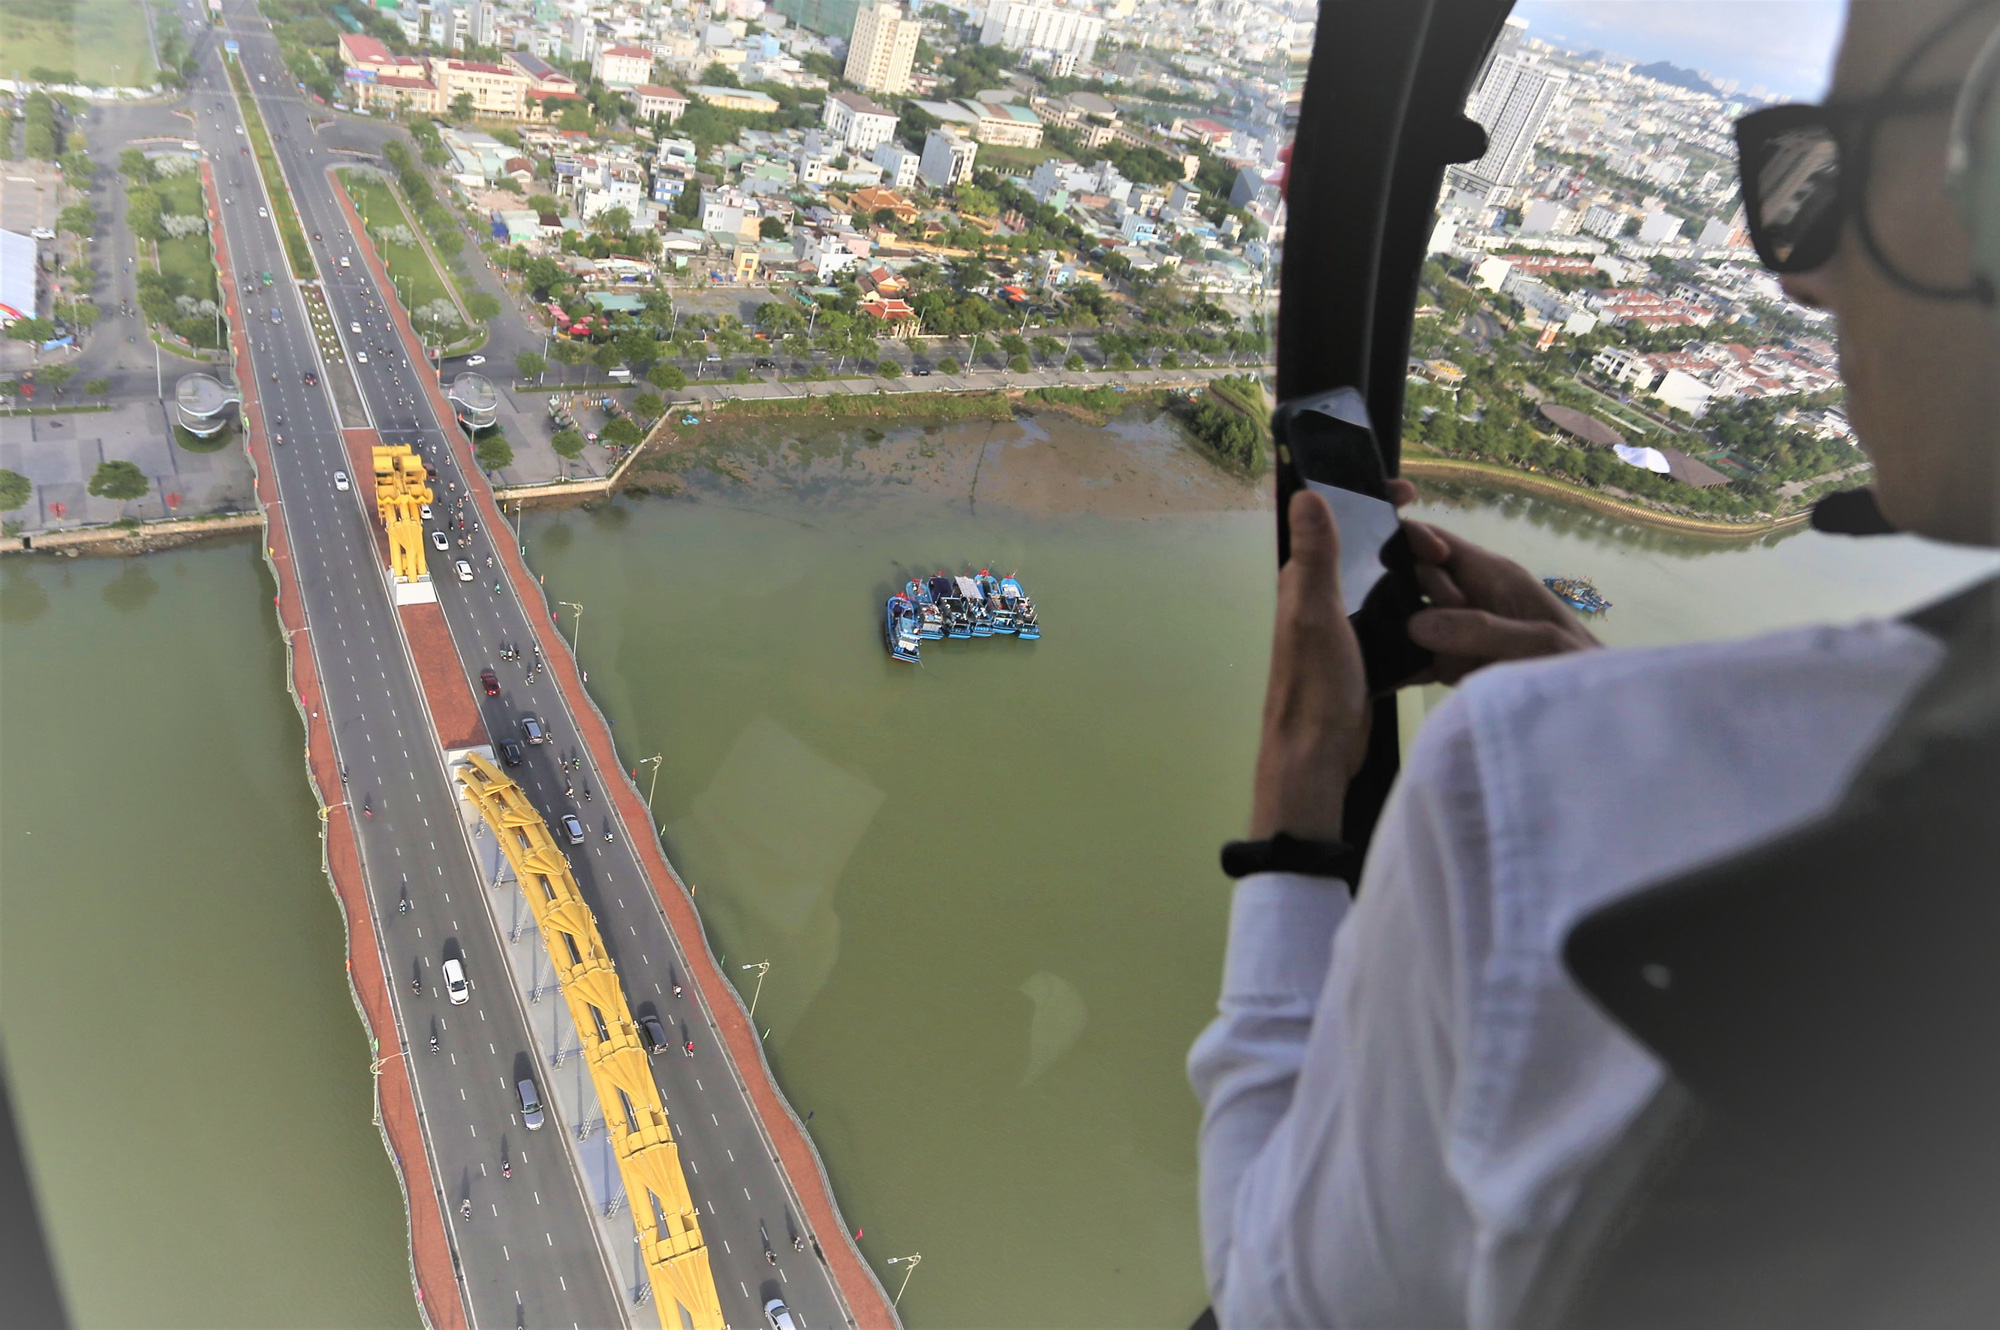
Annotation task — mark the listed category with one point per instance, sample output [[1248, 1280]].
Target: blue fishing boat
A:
[[1578, 593], [1026, 624], [902, 628], [975, 602], [928, 612], [957, 614], [1003, 612]]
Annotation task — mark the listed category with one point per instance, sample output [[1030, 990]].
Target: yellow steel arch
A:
[[402, 487], [642, 1141]]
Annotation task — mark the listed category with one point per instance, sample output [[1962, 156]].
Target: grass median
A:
[[418, 282], [296, 248]]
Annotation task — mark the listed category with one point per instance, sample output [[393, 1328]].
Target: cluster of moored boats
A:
[[1578, 592], [947, 605]]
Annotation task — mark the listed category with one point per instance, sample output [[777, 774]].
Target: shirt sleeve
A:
[[1326, 1080]]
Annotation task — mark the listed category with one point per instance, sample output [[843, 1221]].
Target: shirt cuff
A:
[[1281, 928]]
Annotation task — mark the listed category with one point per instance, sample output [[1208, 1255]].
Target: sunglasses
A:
[[1805, 172]]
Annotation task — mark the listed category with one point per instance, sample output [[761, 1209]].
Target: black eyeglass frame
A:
[[1851, 126]]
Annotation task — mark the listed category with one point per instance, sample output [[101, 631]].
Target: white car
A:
[[438, 541], [475, 360], [361, 356], [425, 510], [778, 1316], [340, 481], [346, 262], [262, 212], [354, 327], [455, 986], [464, 570], [239, 129]]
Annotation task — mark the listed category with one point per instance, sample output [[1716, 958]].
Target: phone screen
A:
[[1325, 443]]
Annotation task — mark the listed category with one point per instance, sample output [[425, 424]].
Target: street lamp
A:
[[576, 629], [655, 759], [761, 967], [375, 1070], [910, 1264]]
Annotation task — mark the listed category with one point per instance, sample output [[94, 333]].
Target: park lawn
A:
[[99, 42], [417, 280], [1007, 161], [188, 264]]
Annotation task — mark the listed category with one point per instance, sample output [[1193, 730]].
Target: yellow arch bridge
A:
[[648, 1160]]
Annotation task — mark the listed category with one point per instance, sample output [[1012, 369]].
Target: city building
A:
[[900, 166], [1004, 124], [656, 99], [857, 122], [883, 46], [947, 158], [829, 18], [1513, 104], [736, 99], [495, 90], [1053, 35], [623, 66]]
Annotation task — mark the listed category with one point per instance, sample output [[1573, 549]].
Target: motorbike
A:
[[434, 1045]]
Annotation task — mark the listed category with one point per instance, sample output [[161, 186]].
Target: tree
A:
[[122, 481], [637, 348], [570, 354], [542, 203], [97, 388], [31, 330], [78, 169], [622, 432], [1045, 346], [79, 219], [606, 357], [135, 166], [1073, 362], [1123, 360], [888, 368], [461, 108], [1019, 364], [530, 365], [950, 365], [667, 377], [568, 444], [976, 202], [771, 229], [15, 490], [616, 220], [648, 405], [483, 305], [58, 376], [494, 452]]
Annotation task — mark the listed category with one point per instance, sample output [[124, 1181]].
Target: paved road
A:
[[747, 1206], [528, 1256]]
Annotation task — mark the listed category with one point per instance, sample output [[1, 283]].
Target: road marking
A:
[[731, 1154], [714, 1119], [551, 1241]]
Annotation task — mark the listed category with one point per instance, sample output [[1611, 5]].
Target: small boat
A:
[[1003, 612], [902, 628], [975, 600], [928, 612], [957, 614], [1026, 624], [1578, 593]]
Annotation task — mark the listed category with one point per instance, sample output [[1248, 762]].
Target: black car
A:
[[510, 753], [922, 373], [765, 362], [654, 1033]]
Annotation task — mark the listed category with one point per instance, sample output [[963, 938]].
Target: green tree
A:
[[78, 169], [606, 357], [1170, 361], [79, 219], [1122, 360], [618, 220], [97, 388], [135, 166], [494, 452], [542, 203], [1045, 346], [568, 444], [667, 377], [1073, 362], [57, 377], [461, 108], [570, 355], [622, 432], [15, 490], [949, 365], [31, 330], [976, 202], [530, 365], [121, 481], [637, 349], [483, 305], [648, 405], [888, 368], [1019, 364], [770, 228]]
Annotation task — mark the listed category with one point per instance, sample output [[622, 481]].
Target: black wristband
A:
[[1289, 854]]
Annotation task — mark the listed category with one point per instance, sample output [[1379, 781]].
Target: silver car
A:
[[531, 1105], [572, 828]]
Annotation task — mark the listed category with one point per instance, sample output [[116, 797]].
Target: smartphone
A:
[[1326, 443]]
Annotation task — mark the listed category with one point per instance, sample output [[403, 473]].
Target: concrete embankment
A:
[[128, 540]]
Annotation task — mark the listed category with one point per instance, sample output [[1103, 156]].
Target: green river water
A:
[[984, 886]]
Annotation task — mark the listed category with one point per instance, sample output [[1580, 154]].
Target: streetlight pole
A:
[[909, 1264], [576, 629], [761, 967], [375, 1070], [655, 759]]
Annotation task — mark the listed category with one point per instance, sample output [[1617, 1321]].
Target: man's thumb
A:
[[1315, 545]]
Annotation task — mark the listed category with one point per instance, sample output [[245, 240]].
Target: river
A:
[[985, 886]]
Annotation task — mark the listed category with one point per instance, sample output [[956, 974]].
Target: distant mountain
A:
[[1661, 71]]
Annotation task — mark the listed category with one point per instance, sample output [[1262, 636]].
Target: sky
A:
[[1785, 45]]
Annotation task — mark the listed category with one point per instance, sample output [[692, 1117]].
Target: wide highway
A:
[[749, 1213]]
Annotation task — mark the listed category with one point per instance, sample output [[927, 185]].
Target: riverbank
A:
[[123, 541], [1419, 466], [1043, 460]]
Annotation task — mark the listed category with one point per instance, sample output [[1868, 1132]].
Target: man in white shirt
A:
[[1404, 1093]]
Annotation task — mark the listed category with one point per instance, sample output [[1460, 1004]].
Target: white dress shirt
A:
[[1402, 1095]]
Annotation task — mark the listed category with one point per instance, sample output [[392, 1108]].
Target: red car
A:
[[491, 681], [311, 379]]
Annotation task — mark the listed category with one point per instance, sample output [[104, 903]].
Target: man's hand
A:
[[1487, 608], [1316, 702]]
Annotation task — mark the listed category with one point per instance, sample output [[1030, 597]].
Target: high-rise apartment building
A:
[[1512, 103], [882, 48], [828, 18], [1045, 33]]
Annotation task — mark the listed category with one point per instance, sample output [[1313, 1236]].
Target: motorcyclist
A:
[[434, 1044], [465, 1208], [677, 990], [417, 985]]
